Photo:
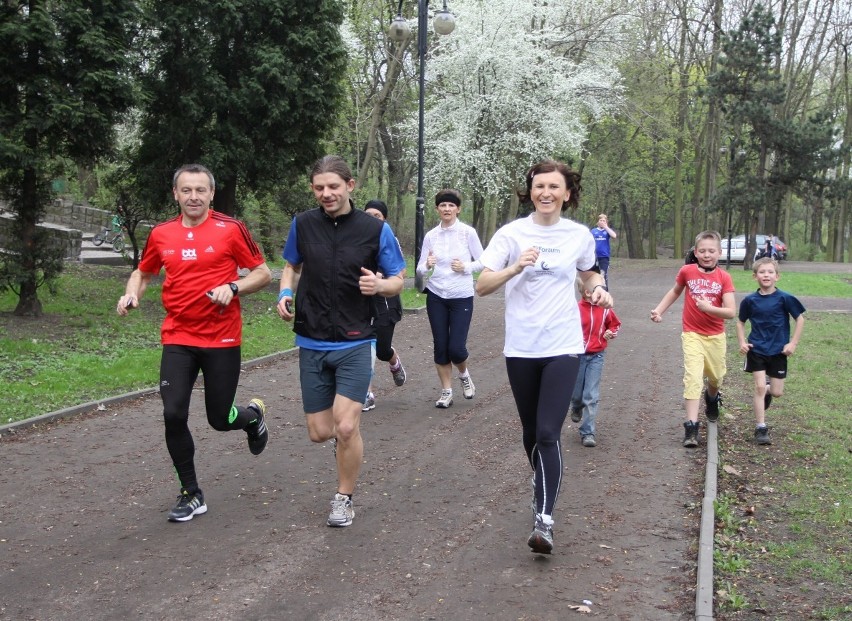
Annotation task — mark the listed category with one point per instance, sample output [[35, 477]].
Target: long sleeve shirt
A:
[[458, 241]]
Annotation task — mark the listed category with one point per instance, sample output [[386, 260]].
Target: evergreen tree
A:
[[246, 87], [63, 82]]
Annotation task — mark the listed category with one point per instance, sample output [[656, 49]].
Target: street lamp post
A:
[[444, 23]]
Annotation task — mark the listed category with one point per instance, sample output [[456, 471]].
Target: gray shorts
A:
[[324, 374]]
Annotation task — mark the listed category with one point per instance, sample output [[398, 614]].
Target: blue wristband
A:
[[285, 293]]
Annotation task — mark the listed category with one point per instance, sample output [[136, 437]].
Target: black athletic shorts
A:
[[775, 366]]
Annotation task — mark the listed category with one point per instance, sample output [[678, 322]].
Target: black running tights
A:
[[542, 388], [179, 367]]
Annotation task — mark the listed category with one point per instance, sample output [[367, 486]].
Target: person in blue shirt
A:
[[338, 258], [602, 233], [769, 343]]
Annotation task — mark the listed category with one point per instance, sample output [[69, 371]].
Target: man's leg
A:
[[178, 372]]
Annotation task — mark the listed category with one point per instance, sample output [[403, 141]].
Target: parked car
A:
[[738, 250], [779, 246]]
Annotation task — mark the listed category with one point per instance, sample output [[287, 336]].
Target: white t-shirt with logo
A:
[[541, 314]]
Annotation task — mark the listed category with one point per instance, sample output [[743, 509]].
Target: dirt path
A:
[[442, 505]]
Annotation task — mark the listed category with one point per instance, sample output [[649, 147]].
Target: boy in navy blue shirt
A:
[[769, 344]]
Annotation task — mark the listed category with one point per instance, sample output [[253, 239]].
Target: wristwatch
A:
[[234, 288], [604, 287]]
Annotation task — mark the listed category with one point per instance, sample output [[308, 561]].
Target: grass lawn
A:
[[784, 511], [82, 351]]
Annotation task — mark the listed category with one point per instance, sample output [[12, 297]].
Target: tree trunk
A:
[[225, 199], [378, 113], [634, 236]]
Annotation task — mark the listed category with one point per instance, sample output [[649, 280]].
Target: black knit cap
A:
[[378, 206]]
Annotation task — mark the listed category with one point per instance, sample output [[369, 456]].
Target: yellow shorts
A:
[[703, 356]]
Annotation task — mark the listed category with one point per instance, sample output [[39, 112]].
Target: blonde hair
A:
[[763, 261], [708, 235]]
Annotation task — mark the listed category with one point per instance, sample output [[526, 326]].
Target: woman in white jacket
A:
[[450, 256]]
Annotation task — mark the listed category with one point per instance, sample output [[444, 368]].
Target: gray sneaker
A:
[[188, 506], [541, 538], [399, 375], [576, 415], [468, 389], [761, 436], [342, 511], [589, 440], [257, 432], [369, 402]]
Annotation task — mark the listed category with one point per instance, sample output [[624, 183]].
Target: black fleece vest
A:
[[329, 303]]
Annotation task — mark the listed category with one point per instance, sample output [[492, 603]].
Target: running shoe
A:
[[342, 511], [468, 389], [188, 506], [690, 436], [589, 440], [256, 432], [541, 538], [761, 436], [713, 403], [399, 375], [369, 402], [576, 415], [446, 399]]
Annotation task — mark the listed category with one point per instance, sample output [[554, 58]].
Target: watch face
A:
[[234, 288]]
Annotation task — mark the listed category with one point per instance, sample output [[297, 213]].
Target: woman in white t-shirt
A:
[[450, 256], [538, 259]]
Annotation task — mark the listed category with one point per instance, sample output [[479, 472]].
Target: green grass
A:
[[792, 499], [82, 351], [799, 283]]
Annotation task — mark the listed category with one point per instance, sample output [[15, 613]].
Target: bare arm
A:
[[595, 283], [611, 232], [790, 347], [257, 278], [668, 299], [289, 283], [728, 310], [133, 291], [372, 283], [489, 281], [744, 344]]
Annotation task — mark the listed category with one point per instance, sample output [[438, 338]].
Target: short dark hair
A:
[[193, 168]]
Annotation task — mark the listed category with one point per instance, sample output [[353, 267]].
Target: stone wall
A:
[[73, 215], [71, 240]]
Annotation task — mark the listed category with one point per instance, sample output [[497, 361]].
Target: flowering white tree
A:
[[516, 82]]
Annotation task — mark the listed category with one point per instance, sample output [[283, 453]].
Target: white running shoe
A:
[[342, 511], [446, 399], [468, 389]]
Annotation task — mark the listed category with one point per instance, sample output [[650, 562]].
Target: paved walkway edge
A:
[[704, 587], [129, 396]]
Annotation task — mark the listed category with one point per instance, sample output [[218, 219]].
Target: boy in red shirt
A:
[[709, 302], [600, 325]]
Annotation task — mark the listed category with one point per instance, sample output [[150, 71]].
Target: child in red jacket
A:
[[600, 325]]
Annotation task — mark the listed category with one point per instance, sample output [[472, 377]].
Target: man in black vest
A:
[[336, 257]]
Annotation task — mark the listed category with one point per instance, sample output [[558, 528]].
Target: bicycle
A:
[[110, 237]]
